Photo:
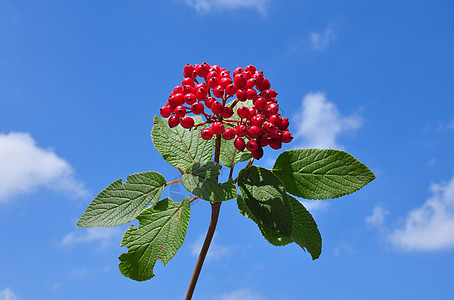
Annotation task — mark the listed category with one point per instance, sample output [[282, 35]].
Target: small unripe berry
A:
[[206, 133], [174, 121], [217, 107], [229, 134], [197, 108], [217, 128], [252, 145], [239, 144], [165, 111], [187, 122]]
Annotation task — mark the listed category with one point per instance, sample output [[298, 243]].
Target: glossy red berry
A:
[[209, 101], [275, 144], [240, 81], [237, 71], [213, 82], [180, 111], [187, 122], [260, 103], [229, 133], [187, 81], [257, 154], [188, 70], [257, 120], [225, 81], [276, 120], [206, 133], [197, 108], [252, 145], [218, 91], [217, 128], [251, 69], [231, 89], [241, 130], [201, 93], [202, 69], [241, 95], [253, 131], [165, 111], [239, 144], [284, 124], [174, 121], [217, 107], [286, 137], [272, 108], [251, 94], [227, 112], [190, 98], [243, 112]]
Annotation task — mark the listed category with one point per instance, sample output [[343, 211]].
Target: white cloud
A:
[[8, 294], [25, 166], [321, 40], [206, 6], [241, 294], [377, 218], [431, 226], [104, 236], [215, 252], [321, 122], [312, 205]]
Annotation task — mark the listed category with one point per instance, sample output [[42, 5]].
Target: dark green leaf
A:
[[321, 173], [305, 232], [265, 197], [160, 234], [179, 146], [201, 179], [120, 203]]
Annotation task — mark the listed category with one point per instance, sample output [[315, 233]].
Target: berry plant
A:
[[215, 119]]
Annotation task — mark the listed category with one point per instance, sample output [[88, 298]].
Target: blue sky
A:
[[80, 82]]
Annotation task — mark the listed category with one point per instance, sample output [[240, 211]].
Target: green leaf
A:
[[201, 179], [160, 234], [265, 197], [321, 173], [181, 147], [229, 155], [271, 236], [305, 232], [120, 203]]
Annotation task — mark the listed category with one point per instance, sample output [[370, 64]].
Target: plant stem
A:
[[215, 208]]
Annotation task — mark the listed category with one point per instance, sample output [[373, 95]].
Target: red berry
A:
[[241, 130], [284, 124], [240, 81], [275, 134], [217, 128], [188, 70], [251, 94], [177, 99], [225, 73], [239, 144], [173, 121], [217, 107], [187, 81], [201, 93], [252, 145], [250, 83], [212, 74], [165, 111], [209, 101], [213, 82], [206, 133], [227, 112], [264, 141], [252, 111], [229, 134], [272, 108], [286, 137], [178, 89], [218, 91], [257, 120], [225, 81], [268, 127], [276, 120], [243, 112], [202, 69], [197, 108], [187, 122], [257, 154], [251, 69], [253, 131], [247, 75], [275, 144], [237, 71], [263, 85], [231, 89], [180, 111], [260, 103], [241, 95], [190, 98], [189, 89]]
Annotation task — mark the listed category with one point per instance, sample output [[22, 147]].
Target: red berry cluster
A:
[[259, 126]]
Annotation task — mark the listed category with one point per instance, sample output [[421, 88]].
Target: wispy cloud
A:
[[322, 39], [377, 219], [8, 294], [320, 122], [240, 294], [431, 226], [103, 236], [25, 167], [206, 6], [216, 250]]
